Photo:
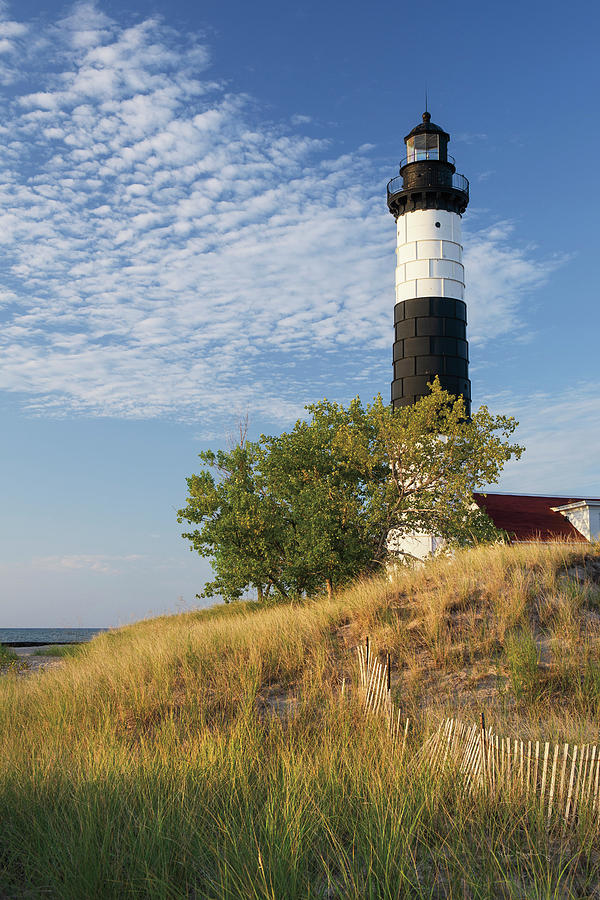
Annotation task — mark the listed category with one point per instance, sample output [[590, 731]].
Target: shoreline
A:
[[35, 663], [38, 644]]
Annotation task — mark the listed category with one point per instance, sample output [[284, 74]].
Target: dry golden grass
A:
[[151, 763]]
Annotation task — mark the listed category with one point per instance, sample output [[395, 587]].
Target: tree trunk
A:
[[259, 591], [279, 588], [329, 588]]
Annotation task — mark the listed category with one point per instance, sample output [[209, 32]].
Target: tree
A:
[[437, 458], [290, 513], [313, 507], [325, 487], [240, 527]]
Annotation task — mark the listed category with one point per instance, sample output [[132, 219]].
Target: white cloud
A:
[[12, 29], [468, 137], [12, 49], [165, 253], [561, 433], [99, 563], [500, 276]]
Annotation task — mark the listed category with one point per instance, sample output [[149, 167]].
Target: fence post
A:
[[544, 773], [483, 751], [571, 780], [552, 781]]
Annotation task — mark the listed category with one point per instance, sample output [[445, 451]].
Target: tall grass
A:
[[523, 659], [60, 650], [151, 764], [314, 807]]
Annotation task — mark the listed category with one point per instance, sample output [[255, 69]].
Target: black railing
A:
[[424, 155], [459, 183]]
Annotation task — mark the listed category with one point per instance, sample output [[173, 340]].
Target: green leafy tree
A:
[[437, 458], [291, 513], [313, 507], [240, 528], [325, 487]]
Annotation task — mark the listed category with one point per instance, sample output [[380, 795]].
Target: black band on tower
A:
[[430, 340]]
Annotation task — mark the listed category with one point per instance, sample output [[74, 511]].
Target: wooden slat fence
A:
[[562, 780], [375, 681]]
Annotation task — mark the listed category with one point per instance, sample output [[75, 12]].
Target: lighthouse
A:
[[427, 200]]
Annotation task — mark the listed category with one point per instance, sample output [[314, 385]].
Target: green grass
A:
[[7, 655], [148, 765], [60, 650], [523, 659], [10, 661], [268, 811]]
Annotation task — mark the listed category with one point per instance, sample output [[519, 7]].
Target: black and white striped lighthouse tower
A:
[[427, 199]]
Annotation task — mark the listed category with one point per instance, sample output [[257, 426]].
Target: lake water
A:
[[20, 637]]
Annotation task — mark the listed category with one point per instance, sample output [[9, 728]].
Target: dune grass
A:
[[10, 661], [151, 764], [6, 654], [59, 650]]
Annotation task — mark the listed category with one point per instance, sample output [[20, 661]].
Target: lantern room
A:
[[426, 141], [428, 178]]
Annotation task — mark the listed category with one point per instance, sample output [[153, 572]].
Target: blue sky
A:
[[193, 227]]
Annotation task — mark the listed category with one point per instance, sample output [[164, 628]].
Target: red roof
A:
[[529, 517]]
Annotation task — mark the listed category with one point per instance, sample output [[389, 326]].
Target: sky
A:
[[193, 229]]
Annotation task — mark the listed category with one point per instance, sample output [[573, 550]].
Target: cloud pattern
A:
[[98, 563], [561, 433], [168, 252]]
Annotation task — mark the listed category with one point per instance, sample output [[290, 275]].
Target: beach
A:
[[36, 663]]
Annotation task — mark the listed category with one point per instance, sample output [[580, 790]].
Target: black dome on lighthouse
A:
[[427, 127]]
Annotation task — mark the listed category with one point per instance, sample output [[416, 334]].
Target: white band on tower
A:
[[429, 255]]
